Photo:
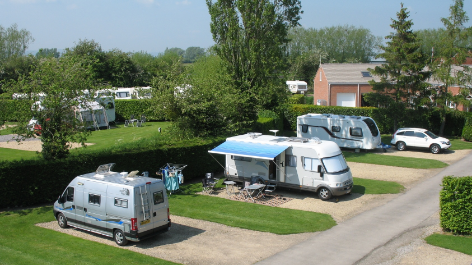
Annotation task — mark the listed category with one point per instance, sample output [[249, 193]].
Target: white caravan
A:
[[124, 93], [291, 162], [123, 205], [297, 86], [357, 132]]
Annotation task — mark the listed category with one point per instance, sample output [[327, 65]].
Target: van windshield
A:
[[372, 126], [335, 164]]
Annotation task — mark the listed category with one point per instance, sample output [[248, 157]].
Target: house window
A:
[[121, 202], [241, 158], [356, 131], [311, 164], [158, 197], [94, 199], [366, 74], [291, 160], [336, 128]]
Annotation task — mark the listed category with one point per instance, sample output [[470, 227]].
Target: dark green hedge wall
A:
[[456, 205], [12, 110], [32, 182], [124, 108]]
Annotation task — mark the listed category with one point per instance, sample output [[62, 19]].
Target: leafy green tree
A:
[[60, 85], [341, 44], [251, 39], [304, 66], [178, 51], [403, 73], [13, 42], [16, 66], [446, 66], [192, 54], [46, 52], [121, 71], [89, 53], [147, 64]]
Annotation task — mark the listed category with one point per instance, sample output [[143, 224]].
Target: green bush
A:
[[124, 108], [456, 205], [467, 130], [14, 110], [32, 182], [297, 99]]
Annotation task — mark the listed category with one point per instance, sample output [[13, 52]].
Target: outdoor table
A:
[[253, 188], [229, 187]]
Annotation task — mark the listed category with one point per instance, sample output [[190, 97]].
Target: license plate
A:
[[145, 222]]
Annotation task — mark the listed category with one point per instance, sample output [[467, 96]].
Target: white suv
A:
[[416, 137]]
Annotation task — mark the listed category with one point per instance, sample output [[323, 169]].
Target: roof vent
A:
[[298, 139], [316, 140], [254, 134]]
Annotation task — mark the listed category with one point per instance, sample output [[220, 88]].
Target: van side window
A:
[[121, 202], [356, 131], [94, 199], [335, 128], [311, 164], [290, 160], [241, 158], [70, 194], [158, 197], [304, 128]]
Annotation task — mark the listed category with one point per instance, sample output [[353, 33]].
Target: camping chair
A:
[[270, 187], [206, 189], [131, 120], [243, 192], [210, 180], [139, 123]]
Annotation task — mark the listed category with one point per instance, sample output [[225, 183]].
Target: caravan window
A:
[[290, 160], [158, 197], [241, 158], [372, 126], [356, 131], [311, 164], [94, 199], [121, 202], [304, 128], [336, 128]]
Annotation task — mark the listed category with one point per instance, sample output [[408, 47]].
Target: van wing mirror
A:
[[60, 199], [320, 170]]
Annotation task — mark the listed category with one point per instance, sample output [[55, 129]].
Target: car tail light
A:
[[134, 224], [393, 135]]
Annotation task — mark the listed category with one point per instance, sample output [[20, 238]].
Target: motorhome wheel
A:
[[401, 146], [324, 194], [62, 220], [435, 149], [120, 238]]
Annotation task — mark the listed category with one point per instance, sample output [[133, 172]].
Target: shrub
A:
[[467, 130], [124, 108], [297, 99], [456, 205]]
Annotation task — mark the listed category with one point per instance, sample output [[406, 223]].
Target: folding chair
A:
[[270, 187], [206, 189]]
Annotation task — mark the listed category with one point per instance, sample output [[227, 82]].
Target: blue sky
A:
[[154, 25]]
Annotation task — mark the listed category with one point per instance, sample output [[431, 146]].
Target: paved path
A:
[[355, 238]]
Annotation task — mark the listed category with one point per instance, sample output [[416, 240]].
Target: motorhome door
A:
[[159, 206]]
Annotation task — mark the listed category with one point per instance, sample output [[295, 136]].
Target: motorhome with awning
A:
[[291, 162]]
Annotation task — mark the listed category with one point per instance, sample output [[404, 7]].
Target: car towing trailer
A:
[[291, 162]]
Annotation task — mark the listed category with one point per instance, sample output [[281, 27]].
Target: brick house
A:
[[344, 84]]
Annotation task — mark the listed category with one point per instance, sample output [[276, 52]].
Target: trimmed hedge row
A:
[[10, 110], [124, 108], [32, 182], [456, 205], [467, 130], [422, 118]]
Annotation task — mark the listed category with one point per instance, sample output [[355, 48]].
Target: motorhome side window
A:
[[290, 160], [336, 128], [94, 199], [121, 202], [311, 164], [356, 131], [158, 197], [304, 128], [69, 194], [241, 158]]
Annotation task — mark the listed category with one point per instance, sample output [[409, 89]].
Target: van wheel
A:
[[62, 220], [120, 238], [324, 194], [401, 146], [435, 149]]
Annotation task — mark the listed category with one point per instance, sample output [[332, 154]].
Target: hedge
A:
[[456, 205], [422, 118], [467, 130], [10, 110], [124, 108], [32, 182]]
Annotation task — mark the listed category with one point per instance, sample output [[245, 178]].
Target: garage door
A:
[[346, 99]]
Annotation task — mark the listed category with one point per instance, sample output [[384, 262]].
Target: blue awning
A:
[[254, 150]]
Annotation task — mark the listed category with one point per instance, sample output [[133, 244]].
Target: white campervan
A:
[[292, 162], [123, 205], [357, 132]]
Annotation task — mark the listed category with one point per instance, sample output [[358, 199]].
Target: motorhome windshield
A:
[[372, 126], [335, 164]]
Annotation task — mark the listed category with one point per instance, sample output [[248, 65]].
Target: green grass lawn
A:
[[459, 144], [457, 243], [246, 215], [8, 130], [397, 161], [13, 154], [371, 186], [21, 242]]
